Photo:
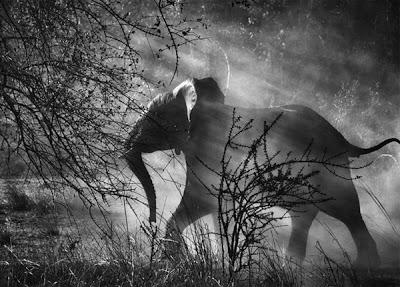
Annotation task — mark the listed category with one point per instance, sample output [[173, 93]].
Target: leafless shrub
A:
[[247, 190]]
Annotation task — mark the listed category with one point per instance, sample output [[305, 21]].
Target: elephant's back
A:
[[293, 128], [300, 126]]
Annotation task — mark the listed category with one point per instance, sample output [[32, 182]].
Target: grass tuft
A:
[[17, 198], [5, 237], [44, 205]]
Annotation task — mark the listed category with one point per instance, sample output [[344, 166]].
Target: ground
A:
[[45, 243]]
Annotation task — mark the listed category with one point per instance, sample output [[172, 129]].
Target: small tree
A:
[[249, 188]]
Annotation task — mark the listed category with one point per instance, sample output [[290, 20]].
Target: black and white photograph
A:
[[225, 143]]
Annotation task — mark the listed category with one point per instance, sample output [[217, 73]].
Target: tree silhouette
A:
[[71, 76]]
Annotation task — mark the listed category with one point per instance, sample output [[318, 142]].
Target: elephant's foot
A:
[[173, 250], [174, 244], [294, 258], [370, 261], [368, 257], [296, 251]]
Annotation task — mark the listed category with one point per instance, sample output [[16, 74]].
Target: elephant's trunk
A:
[[136, 164]]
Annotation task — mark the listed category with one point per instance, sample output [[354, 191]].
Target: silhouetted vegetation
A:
[[75, 74], [71, 80], [17, 199]]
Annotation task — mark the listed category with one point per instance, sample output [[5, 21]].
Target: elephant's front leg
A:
[[192, 207]]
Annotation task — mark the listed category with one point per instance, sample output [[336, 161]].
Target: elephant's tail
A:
[[357, 151]]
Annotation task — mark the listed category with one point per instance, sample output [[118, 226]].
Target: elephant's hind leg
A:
[[301, 223], [346, 208], [367, 254]]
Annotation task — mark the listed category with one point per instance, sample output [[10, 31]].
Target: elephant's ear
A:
[[183, 96], [208, 92], [207, 89], [187, 94], [187, 91]]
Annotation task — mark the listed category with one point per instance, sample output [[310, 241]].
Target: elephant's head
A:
[[167, 124]]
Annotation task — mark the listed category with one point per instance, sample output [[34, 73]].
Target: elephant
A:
[[193, 118]]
